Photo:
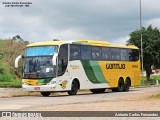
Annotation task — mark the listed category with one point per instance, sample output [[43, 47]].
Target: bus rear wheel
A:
[[127, 85], [45, 94], [74, 88], [96, 91]]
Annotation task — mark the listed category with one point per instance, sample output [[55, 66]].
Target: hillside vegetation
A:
[[9, 50]]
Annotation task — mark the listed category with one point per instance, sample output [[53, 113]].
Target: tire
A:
[[126, 85], [74, 88], [120, 85], [96, 91], [45, 94]]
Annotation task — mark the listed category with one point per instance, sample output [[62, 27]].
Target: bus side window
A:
[[75, 52], [106, 53], [115, 54], [136, 55], [96, 53], [85, 52], [130, 55], [124, 55], [133, 55]]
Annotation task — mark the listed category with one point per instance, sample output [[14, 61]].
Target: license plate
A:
[[37, 88]]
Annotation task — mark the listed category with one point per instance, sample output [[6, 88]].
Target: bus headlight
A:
[[23, 83]]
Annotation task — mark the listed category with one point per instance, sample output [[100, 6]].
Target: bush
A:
[[10, 50], [5, 76]]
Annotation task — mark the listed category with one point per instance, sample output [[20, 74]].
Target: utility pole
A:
[[141, 37]]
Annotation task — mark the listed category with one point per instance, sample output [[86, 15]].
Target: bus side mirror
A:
[[17, 60], [54, 59]]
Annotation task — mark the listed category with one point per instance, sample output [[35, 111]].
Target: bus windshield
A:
[[38, 67], [37, 62]]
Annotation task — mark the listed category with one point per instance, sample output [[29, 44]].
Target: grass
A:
[[9, 50], [152, 81], [12, 84]]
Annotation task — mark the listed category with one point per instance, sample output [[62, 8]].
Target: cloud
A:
[[121, 40], [109, 20], [155, 22]]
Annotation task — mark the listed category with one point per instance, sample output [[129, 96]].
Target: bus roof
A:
[[46, 43], [81, 42]]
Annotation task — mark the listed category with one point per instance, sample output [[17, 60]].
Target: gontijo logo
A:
[[115, 66]]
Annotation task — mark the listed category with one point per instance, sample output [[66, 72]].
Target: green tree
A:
[[151, 47], [56, 39], [17, 37]]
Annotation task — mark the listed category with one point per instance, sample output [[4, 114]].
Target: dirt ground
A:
[[144, 102]]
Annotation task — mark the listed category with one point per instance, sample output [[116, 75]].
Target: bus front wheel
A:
[[74, 88], [120, 85], [45, 94]]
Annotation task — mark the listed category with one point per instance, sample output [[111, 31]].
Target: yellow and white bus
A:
[[70, 66]]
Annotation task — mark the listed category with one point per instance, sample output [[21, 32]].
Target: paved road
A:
[[31, 102]]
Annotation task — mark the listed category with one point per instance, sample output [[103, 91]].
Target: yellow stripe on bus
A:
[[30, 81]]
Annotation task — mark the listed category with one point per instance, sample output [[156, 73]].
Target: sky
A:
[[108, 20]]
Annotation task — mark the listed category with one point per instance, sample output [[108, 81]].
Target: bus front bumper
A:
[[39, 88]]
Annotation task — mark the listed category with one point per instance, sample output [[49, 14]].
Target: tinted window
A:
[[75, 52], [133, 55], [96, 53], [115, 53], [106, 53], [85, 52], [124, 55]]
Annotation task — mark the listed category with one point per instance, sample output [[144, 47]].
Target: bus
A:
[[70, 66]]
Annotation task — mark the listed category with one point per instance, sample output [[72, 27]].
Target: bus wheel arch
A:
[[127, 84], [75, 86]]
